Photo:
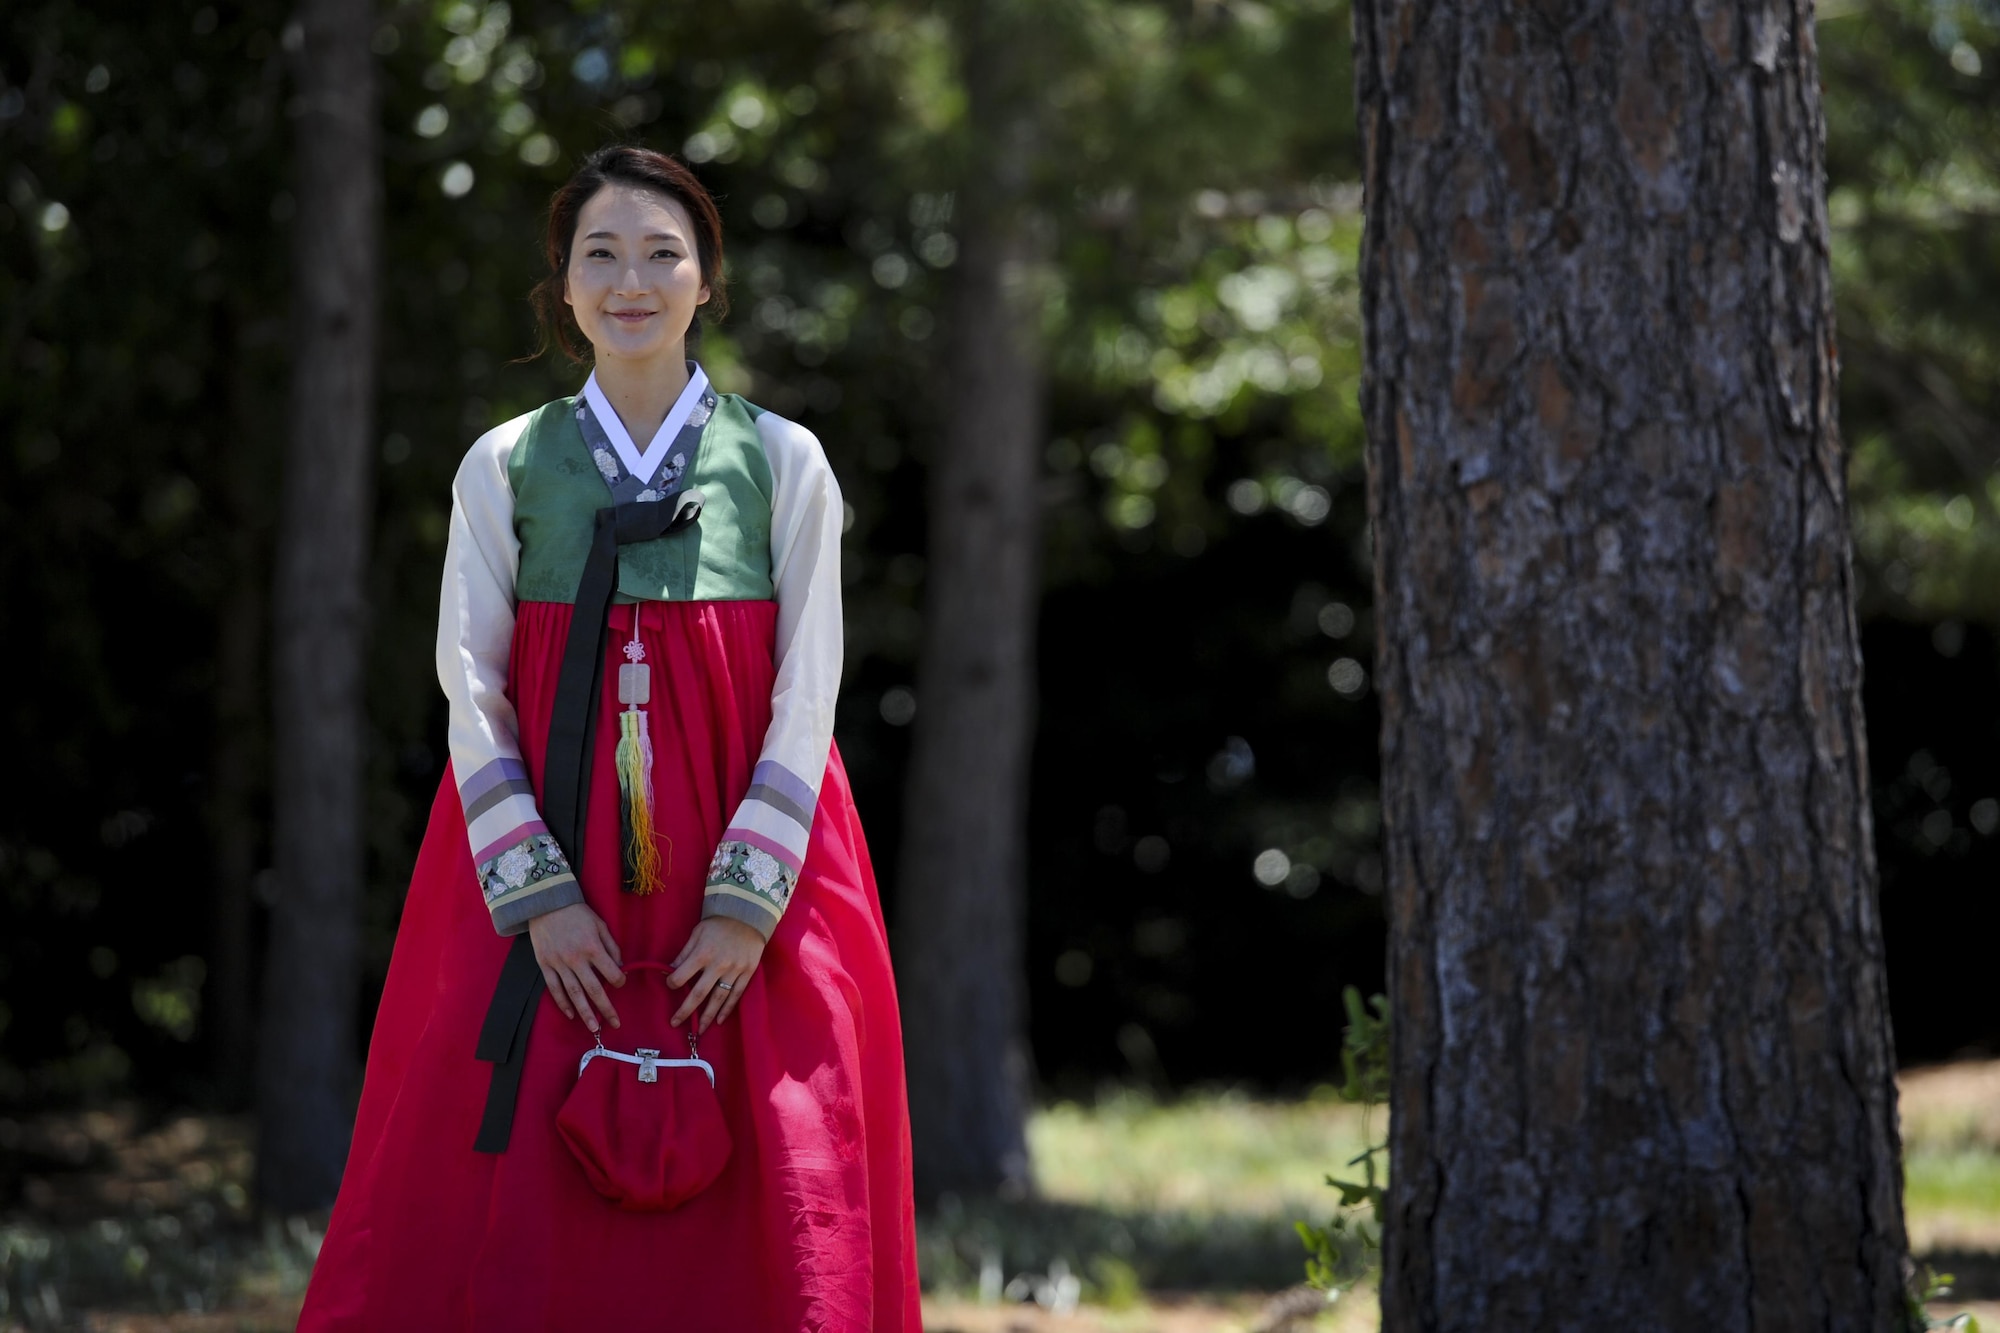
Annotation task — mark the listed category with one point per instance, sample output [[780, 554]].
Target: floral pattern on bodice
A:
[[672, 474]]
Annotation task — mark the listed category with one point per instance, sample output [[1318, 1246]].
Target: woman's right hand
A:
[[575, 949]]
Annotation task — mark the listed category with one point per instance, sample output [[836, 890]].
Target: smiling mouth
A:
[[632, 316]]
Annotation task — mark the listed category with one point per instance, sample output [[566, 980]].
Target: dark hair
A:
[[624, 164]]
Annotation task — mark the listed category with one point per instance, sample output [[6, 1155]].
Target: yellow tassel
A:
[[645, 872]]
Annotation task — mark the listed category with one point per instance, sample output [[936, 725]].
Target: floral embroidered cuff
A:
[[526, 880], [747, 883]]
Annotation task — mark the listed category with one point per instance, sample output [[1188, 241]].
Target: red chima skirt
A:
[[811, 1224]]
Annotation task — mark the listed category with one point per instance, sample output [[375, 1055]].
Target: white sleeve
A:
[[521, 870], [757, 865]]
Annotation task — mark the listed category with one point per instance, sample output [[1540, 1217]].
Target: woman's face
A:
[[634, 279]]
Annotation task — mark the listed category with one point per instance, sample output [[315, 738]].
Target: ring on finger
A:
[[725, 985]]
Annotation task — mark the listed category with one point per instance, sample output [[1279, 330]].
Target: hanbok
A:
[[810, 1225]]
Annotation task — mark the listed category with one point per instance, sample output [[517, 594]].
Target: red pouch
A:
[[646, 1126]]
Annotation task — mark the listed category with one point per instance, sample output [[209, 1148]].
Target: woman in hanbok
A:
[[640, 639]]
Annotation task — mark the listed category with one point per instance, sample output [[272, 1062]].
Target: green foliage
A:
[[1913, 177], [1195, 177], [1201, 326], [1928, 1286], [1348, 1247], [1116, 1283], [1364, 1049], [142, 369]]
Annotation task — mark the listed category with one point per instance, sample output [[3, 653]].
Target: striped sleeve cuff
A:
[[521, 868], [757, 865]]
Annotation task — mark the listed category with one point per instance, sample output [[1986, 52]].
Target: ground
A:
[[1152, 1217]]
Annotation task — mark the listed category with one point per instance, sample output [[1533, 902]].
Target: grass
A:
[[1134, 1193], [1170, 1215], [1965, 1182], [1197, 1193], [1207, 1153], [1951, 1163], [1165, 1215]]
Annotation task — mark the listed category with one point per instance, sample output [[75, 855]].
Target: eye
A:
[[597, 252], [666, 254]]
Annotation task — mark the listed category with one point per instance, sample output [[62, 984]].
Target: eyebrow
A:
[[612, 236]]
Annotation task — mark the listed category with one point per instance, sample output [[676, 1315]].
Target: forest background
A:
[[1201, 855]]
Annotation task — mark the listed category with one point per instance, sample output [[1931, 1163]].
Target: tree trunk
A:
[[1642, 1074], [307, 1068], [962, 875]]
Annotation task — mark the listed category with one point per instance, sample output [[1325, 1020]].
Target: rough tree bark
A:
[[307, 1059], [961, 893], [1642, 1075]]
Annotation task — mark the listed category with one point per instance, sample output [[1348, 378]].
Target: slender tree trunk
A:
[[962, 875], [307, 1065], [1642, 1075]]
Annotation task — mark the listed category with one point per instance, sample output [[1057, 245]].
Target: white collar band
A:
[[644, 464]]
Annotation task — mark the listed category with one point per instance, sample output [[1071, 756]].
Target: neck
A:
[[643, 392]]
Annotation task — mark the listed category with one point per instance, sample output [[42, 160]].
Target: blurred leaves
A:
[[1913, 160], [1200, 325], [1206, 562], [1348, 1248]]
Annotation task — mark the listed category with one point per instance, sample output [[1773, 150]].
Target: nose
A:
[[630, 281]]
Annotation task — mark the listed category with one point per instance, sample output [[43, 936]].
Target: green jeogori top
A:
[[557, 489]]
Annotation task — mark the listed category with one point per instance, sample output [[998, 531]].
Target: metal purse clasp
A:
[[649, 1064]]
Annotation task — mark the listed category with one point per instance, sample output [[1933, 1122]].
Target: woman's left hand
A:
[[718, 958]]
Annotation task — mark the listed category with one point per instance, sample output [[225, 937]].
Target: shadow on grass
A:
[[118, 1209], [962, 1244], [180, 1263], [201, 1258], [1975, 1273], [129, 1211]]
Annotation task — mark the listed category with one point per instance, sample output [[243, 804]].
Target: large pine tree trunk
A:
[[961, 881], [1642, 1075], [307, 1058]]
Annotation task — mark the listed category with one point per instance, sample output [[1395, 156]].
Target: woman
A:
[[718, 583]]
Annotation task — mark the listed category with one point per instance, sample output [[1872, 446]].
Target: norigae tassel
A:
[[645, 871]]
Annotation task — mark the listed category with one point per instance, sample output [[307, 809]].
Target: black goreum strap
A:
[[503, 1037]]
